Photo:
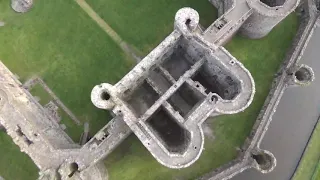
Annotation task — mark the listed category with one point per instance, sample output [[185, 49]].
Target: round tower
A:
[[300, 75], [264, 161], [21, 6], [266, 14]]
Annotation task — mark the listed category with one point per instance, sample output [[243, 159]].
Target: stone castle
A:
[[163, 100]]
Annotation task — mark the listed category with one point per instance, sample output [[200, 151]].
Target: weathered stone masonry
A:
[[164, 99], [283, 79], [165, 94]]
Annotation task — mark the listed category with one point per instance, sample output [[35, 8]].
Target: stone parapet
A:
[[244, 160]]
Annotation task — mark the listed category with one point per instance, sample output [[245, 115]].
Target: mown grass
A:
[[60, 43], [73, 130], [309, 166], [15, 165], [57, 41], [43, 95], [145, 23], [263, 58], [316, 175]]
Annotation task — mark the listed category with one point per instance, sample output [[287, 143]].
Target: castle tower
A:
[[21, 6], [266, 14]]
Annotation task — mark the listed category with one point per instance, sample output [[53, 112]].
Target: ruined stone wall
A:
[[222, 5], [306, 27], [292, 57]]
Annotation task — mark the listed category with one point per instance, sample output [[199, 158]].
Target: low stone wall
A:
[[29, 84], [307, 24], [293, 56]]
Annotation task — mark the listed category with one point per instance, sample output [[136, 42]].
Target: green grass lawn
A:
[[309, 167], [73, 130], [145, 23], [316, 175], [59, 42], [263, 58], [43, 95], [15, 165]]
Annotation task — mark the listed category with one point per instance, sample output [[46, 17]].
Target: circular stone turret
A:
[[266, 14], [264, 161], [70, 171], [301, 75], [186, 21], [102, 96], [21, 6]]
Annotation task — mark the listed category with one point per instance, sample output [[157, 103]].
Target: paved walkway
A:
[[292, 124]]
